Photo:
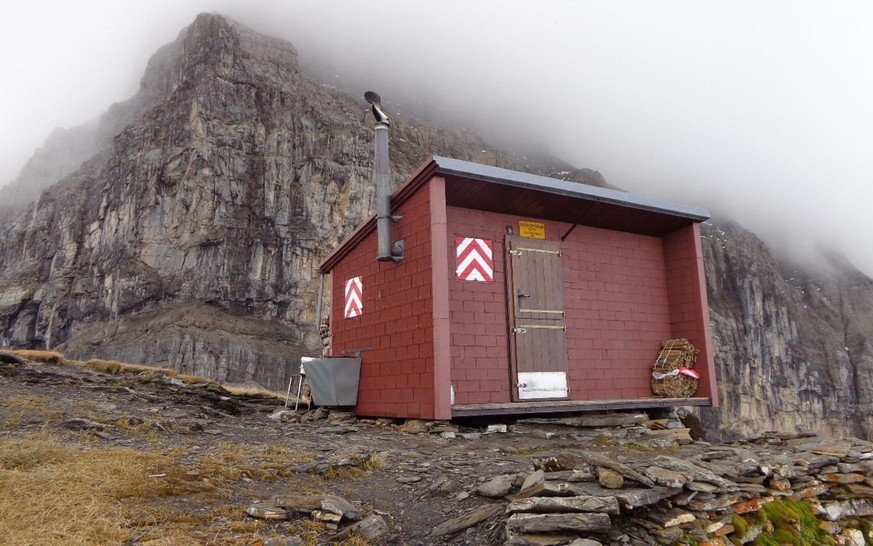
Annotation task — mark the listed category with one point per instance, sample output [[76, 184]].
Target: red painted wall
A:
[[617, 312], [479, 322], [689, 307], [619, 308], [396, 329]]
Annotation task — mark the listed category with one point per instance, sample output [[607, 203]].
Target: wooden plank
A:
[[573, 406], [512, 303]]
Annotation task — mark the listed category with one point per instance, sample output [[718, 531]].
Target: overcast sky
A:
[[762, 111]]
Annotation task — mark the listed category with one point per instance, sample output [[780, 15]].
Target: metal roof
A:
[[482, 187], [496, 175]]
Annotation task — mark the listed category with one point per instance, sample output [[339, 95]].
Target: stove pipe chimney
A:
[[382, 179]]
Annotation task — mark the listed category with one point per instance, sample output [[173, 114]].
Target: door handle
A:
[[521, 294]]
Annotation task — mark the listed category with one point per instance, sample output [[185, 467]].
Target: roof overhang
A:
[[482, 187]]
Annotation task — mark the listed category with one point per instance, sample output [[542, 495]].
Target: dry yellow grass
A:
[[266, 462], [114, 367], [47, 357], [254, 391], [15, 409], [56, 493]]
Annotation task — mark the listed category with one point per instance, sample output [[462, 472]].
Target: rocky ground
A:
[[278, 476]]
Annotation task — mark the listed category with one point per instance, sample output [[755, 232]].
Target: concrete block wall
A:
[[618, 312], [479, 322], [395, 331], [618, 307], [689, 306]]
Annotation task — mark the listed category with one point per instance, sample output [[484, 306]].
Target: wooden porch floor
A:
[[573, 406]]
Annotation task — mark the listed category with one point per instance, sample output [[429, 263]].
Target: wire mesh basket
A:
[[672, 374]]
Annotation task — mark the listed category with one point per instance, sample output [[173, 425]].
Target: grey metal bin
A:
[[333, 381]]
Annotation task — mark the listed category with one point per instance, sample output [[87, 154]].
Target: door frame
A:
[[512, 302]]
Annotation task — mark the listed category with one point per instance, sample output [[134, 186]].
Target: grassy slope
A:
[[55, 490]]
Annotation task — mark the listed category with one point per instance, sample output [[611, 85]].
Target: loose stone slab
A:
[[843, 478], [532, 485], [545, 505], [552, 523], [635, 498], [669, 535], [458, 524], [595, 459], [326, 517], [610, 479], [697, 473], [861, 491], [667, 478], [496, 487], [310, 503], [373, 529], [263, 510], [833, 448], [721, 502], [298, 503], [751, 505], [779, 484], [671, 518], [702, 487], [552, 489], [683, 498], [341, 507], [813, 461]]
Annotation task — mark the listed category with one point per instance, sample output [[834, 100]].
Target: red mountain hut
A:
[[510, 293]]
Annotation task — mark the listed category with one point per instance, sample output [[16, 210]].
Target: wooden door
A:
[[538, 332]]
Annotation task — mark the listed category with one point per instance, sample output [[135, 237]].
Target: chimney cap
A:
[[376, 105]]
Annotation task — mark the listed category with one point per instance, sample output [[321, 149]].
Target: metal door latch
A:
[[519, 330]]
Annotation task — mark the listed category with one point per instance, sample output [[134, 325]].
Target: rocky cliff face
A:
[[791, 346], [190, 238], [183, 229]]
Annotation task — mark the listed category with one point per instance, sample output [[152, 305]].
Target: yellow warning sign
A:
[[531, 230]]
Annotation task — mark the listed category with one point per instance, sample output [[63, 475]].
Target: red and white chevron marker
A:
[[475, 260], [354, 297]]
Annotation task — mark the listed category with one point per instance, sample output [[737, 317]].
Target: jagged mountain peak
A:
[[218, 186], [217, 44], [213, 45]]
